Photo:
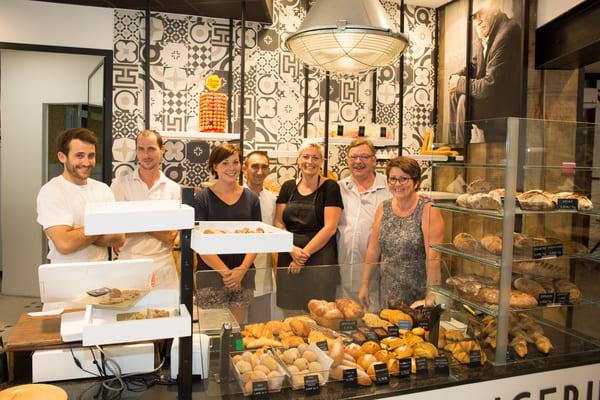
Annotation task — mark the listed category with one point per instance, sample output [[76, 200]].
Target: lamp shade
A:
[[346, 37]]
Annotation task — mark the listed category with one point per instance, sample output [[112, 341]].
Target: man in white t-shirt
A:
[[362, 192], [256, 169], [61, 202], [147, 182]]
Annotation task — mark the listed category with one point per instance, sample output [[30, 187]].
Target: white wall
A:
[[27, 80], [53, 24], [550, 9]]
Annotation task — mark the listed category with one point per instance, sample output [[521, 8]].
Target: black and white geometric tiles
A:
[[186, 49]]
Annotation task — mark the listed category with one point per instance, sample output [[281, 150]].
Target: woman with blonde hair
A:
[[310, 208]]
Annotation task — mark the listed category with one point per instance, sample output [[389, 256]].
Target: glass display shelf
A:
[[470, 166], [196, 135], [500, 214]]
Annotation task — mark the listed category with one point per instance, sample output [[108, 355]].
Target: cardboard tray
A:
[[324, 360], [103, 218], [274, 240]]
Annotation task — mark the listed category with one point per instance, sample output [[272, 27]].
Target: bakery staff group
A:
[[61, 204]]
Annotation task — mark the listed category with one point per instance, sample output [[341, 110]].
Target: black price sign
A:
[[423, 324], [554, 250], [545, 299], [370, 335], [404, 325], [442, 366], [350, 377], [393, 330], [383, 132], [348, 326], [382, 375], [538, 251], [562, 298], [260, 388], [404, 368], [361, 131], [340, 130], [510, 354], [421, 365], [311, 384], [323, 345], [567, 204], [475, 358]]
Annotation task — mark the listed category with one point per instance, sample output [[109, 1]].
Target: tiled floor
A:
[[11, 307]]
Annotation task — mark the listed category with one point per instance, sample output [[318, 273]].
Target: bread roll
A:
[[354, 350], [350, 308], [336, 352], [492, 243], [384, 355], [479, 186], [370, 347], [366, 360], [465, 242], [403, 351], [426, 350]]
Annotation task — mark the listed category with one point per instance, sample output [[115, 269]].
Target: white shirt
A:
[[61, 202], [262, 262], [130, 187]]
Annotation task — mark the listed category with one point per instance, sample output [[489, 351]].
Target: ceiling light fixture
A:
[[347, 37]]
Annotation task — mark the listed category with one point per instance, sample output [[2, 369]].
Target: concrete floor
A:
[[11, 308]]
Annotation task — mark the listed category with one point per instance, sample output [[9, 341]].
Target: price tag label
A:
[[404, 369], [562, 298], [350, 377], [361, 130], [442, 366], [393, 330], [474, 358], [538, 251], [423, 324], [382, 375], [545, 299], [421, 365], [311, 384], [554, 250], [404, 325], [260, 388], [340, 130], [567, 204], [347, 326], [323, 345], [510, 354], [383, 132], [370, 335]]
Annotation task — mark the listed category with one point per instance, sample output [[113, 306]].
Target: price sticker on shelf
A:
[[382, 375], [393, 330], [404, 325], [404, 368], [562, 298], [538, 252], [545, 299], [340, 130], [555, 250], [348, 326], [421, 365], [311, 384], [260, 389], [424, 323], [372, 336], [361, 130], [383, 132], [442, 366], [323, 345], [350, 377], [567, 204], [475, 358]]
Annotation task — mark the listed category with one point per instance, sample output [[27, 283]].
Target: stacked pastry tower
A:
[[213, 107]]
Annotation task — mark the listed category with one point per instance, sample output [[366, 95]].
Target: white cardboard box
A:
[[100, 326], [200, 345], [274, 240], [137, 216]]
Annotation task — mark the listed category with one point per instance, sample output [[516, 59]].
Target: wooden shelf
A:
[[194, 135]]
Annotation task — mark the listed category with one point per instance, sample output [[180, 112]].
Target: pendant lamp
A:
[[347, 37]]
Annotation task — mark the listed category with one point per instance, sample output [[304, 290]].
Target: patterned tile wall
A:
[[185, 49]]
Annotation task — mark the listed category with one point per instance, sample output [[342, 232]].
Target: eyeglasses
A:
[[394, 180], [363, 157], [307, 157]]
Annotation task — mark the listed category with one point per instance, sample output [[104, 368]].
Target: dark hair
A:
[[408, 165], [65, 137], [360, 142], [220, 153], [257, 152], [148, 132]]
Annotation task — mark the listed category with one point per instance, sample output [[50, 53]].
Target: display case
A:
[[519, 243]]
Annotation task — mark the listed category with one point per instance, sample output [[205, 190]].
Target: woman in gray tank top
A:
[[404, 227]]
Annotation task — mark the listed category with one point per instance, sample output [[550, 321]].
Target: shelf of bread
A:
[[347, 140], [196, 135], [235, 237]]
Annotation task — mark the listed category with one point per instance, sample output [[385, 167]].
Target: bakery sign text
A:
[[563, 392]]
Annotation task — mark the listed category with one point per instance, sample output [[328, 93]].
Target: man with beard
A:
[[494, 86], [362, 192], [61, 202], [147, 182]]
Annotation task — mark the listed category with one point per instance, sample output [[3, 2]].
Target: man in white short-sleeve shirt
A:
[[256, 169], [61, 202], [147, 182], [362, 192]]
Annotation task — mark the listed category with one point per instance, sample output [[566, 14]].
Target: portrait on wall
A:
[[494, 89]]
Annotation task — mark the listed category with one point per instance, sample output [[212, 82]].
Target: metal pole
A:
[[374, 96], [147, 69], [326, 141], [230, 79], [401, 82], [242, 79]]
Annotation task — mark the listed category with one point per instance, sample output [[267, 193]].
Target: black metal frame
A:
[[401, 88], [107, 89]]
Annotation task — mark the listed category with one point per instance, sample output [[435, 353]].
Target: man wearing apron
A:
[[147, 182]]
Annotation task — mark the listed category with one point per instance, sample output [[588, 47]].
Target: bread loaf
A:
[[483, 201], [350, 308], [492, 243], [583, 203], [463, 200], [465, 242], [536, 200], [479, 186], [529, 286], [563, 285]]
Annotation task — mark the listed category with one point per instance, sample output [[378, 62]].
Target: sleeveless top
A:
[[404, 274]]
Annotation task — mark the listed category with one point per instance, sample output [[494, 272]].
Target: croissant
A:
[[520, 346], [542, 343], [426, 350]]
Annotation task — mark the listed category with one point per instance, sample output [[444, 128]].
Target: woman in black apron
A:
[[310, 209]]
